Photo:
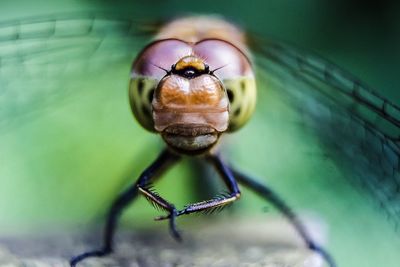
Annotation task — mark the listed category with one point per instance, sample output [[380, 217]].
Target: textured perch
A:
[[261, 243]]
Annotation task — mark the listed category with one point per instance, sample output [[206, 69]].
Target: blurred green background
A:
[[69, 143]]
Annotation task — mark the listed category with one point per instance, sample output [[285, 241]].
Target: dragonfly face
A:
[[192, 92], [190, 107]]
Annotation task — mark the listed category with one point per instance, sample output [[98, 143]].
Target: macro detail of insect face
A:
[[182, 93]]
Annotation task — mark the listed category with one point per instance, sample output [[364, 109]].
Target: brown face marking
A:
[[190, 113], [204, 93]]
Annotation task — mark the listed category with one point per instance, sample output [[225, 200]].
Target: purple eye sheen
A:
[[164, 54], [226, 59], [221, 55]]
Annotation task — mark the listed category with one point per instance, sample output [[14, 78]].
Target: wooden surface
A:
[[226, 243]]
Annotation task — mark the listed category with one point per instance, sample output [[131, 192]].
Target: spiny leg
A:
[[164, 160], [218, 202], [158, 202], [272, 197]]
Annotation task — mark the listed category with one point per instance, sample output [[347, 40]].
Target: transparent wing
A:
[[51, 56], [351, 120], [335, 143], [63, 78]]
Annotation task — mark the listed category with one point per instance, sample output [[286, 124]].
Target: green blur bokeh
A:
[[69, 143]]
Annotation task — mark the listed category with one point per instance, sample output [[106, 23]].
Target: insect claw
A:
[[176, 235], [172, 226]]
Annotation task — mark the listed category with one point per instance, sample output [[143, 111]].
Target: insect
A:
[[192, 85], [183, 89]]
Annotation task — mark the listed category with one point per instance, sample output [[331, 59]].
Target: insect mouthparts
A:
[[190, 138]]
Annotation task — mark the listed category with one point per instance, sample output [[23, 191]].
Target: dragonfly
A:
[[183, 87], [354, 130]]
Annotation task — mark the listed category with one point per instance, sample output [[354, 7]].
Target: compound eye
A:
[[241, 93], [141, 92]]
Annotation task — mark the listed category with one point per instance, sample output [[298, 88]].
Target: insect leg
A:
[[164, 160], [161, 203], [218, 202], [272, 197]]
